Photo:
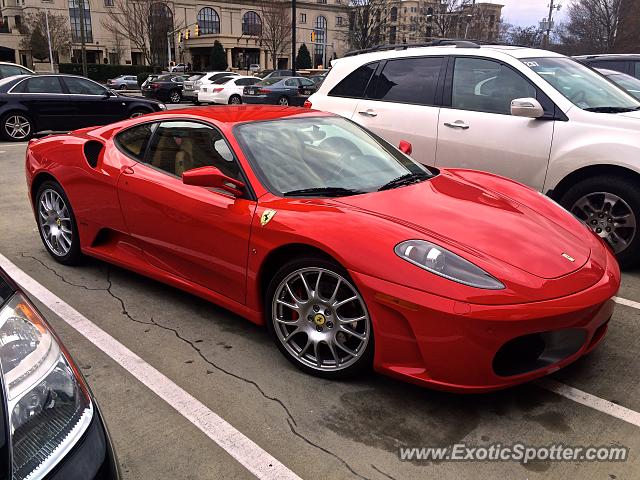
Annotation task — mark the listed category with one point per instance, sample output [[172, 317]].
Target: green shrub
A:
[[101, 73]]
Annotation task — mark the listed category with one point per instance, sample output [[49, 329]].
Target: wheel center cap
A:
[[319, 319], [58, 222]]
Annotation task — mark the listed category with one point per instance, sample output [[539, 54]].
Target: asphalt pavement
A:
[[318, 429]]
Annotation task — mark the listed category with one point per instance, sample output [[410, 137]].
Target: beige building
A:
[[236, 24]]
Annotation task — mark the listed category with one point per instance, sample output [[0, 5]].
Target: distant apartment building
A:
[[236, 24]]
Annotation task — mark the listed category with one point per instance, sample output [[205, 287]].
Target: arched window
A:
[[394, 14], [161, 21], [251, 24], [208, 21], [74, 16], [321, 39]]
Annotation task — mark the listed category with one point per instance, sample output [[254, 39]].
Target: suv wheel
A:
[[610, 206]]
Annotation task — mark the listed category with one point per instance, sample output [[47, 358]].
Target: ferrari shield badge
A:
[[266, 217]]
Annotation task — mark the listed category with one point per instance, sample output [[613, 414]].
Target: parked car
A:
[[123, 82], [193, 85], [308, 223], [279, 91], [10, 69], [278, 73], [535, 116], [54, 427], [150, 78], [627, 82], [254, 67], [622, 62], [36, 103], [166, 88], [225, 90], [318, 79], [179, 67]]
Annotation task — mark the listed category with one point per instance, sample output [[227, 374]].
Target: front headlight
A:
[[162, 106], [440, 261], [49, 406]]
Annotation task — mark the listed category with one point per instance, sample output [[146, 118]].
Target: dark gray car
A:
[[279, 91]]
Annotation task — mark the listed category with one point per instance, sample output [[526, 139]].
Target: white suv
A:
[[535, 116]]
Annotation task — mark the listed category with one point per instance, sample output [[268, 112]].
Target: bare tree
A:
[[592, 25], [526, 36], [446, 18], [368, 23], [35, 28], [147, 24], [275, 34]]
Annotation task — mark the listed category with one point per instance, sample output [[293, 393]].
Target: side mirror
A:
[[526, 107], [405, 147], [211, 177]]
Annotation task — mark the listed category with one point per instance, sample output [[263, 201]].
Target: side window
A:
[[636, 70], [180, 146], [291, 82], [354, 84], [80, 86], [306, 82], [11, 70], [134, 141], [409, 80], [611, 65], [487, 86], [42, 85]]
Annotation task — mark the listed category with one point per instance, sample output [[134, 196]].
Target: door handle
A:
[[457, 124], [368, 113]]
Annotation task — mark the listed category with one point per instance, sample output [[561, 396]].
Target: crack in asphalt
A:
[[291, 422], [381, 472]]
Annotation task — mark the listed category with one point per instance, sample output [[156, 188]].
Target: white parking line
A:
[[628, 303], [244, 450]]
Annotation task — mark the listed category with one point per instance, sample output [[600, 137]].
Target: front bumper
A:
[[452, 345], [92, 458]]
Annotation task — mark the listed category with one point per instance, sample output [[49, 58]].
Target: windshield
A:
[[320, 153], [582, 86]]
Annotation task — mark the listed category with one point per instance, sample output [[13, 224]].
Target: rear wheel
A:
[[284, 101], [235, 100], [318, 319], [175, 96], [57, 224], [123, 87], [610, 206], [17, 127]]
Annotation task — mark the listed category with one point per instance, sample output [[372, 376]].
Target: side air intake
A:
[[92, 151]]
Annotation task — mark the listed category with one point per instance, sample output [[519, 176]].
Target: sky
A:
[[528, 12]]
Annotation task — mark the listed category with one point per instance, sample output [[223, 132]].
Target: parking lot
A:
[[271, 412]]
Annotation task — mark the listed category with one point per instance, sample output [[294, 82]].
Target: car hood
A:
[[634, 115], [477, 222]]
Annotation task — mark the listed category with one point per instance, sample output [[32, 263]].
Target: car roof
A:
[[611, 56]]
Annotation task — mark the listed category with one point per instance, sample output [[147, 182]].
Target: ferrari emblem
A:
[[59, 222], [319, 319], [568, 257], [266, 217]]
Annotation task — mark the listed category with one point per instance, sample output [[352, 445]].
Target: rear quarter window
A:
[[133, 141], [354, 84]]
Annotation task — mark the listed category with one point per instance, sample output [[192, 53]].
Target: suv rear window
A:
[[354, 84], [409, 80]]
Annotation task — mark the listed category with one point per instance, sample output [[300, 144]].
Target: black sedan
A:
[[37, 103], [52, 426], [279, 91], [166, 88]]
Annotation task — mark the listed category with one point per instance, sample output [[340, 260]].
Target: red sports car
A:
[[350, 252]]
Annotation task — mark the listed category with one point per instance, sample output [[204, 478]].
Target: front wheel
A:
[[175, 96], [235, 100], [123, 87], [610, 206], [319, 320], [17, 127], [57, 224]]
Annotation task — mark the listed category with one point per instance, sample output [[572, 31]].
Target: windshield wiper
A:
[[612, 109], [322, 192], [406, 179]]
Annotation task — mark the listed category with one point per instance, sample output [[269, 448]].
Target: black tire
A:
[[235, 100], [174, 96], [74, 255], [365, 360], [628, 191], [10, 118], [136, 112], [123, 87], [283, 101]]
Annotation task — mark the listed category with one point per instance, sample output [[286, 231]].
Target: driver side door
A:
[[192, 232]]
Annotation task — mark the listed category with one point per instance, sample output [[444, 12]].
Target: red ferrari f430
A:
[[351, 253]]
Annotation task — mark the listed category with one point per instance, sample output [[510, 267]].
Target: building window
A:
[[18, 20], [108, 3], [74, 16], [338, 21], [251, 24], [321, 39], [208, 21], [392, 35], [322, 1], [394, 14], [303, 18]]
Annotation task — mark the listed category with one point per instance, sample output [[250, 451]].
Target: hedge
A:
[[101, 73]]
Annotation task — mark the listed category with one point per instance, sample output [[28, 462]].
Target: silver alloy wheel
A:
[[137, 114], [283, 101], [55, 222], [609, 216], [174, 96], [326, 327], [17, 126]]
